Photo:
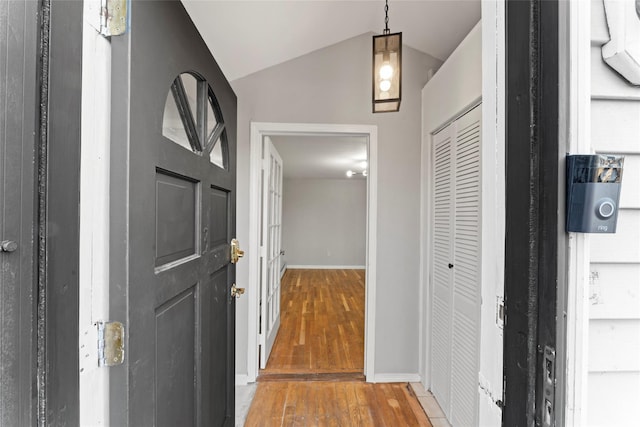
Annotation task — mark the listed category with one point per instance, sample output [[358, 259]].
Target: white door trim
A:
[[575, 102], [94, 218], [258, 131]]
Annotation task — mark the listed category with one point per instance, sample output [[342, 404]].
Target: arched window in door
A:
[[193, 119]]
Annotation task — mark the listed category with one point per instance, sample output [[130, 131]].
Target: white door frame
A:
[[94, 217], [258, 131], [575, 126]]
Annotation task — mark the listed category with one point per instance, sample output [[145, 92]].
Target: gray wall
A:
[[324, 222], [333, 85]]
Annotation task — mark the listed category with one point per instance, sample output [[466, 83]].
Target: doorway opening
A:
[[261, 305]]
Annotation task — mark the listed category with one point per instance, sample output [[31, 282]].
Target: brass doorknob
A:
[[236, 292], [236, 252]]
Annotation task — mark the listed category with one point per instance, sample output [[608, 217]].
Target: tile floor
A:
[[430, 406], [244, 397], [245, 393]]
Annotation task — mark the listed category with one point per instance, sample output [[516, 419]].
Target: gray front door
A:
[[174, 157], [18, 56]]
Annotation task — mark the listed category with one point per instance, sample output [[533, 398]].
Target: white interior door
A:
[[270, 250], [456, 269], [465, 336], [442, 298]]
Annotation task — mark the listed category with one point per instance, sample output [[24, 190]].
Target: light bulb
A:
[[364, 172], [349, 174], [385, 85], [386, 71]]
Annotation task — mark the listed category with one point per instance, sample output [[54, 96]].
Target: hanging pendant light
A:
[[387, 63]]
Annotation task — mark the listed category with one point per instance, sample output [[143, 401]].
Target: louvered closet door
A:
[[442, 274], [466, 271]]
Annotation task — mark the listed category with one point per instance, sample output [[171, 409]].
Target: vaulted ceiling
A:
[[248, 36]]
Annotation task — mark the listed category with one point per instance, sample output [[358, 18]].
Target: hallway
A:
[[314, 376], [322, 323]]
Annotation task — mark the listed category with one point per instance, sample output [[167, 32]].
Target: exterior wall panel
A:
[[614, 285]]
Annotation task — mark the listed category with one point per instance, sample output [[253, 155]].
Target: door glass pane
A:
[[218, 153], [185, 119], [179, 123], [172, 125], [191, 90], [212, 121]]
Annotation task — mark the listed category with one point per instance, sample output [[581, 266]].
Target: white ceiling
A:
[[321, 157], [248, 36]]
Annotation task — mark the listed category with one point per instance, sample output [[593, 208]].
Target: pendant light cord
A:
[[386, 17]]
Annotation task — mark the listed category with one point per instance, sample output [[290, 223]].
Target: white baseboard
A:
[[242, 379], [395, 378], [326, 267]]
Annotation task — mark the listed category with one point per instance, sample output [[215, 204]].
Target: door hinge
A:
[[114, 17], [110, 343], [109, 17]]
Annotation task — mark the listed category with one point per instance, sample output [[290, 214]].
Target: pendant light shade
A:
[[387, 72]]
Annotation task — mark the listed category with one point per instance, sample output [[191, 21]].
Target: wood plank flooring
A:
[[335, 404], [322, 323], [314, 376]]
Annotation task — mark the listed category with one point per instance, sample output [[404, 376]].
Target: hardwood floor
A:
[[335, 404], [322, 323], [314, 376]]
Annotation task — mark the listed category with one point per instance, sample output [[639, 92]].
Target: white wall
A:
[[466, 76], [613, 381], [457, 83], [323, 222], [333, 85]]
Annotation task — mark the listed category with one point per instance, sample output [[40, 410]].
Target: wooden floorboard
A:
[[321, 323], [315, 374], [335, 404]]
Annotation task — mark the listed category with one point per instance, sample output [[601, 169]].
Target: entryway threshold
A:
[[314, 376]]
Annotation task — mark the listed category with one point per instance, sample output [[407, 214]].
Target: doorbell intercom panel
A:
[[593, 192]]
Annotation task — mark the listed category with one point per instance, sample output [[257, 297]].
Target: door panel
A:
[[466, 271], [181, 218], [442, 298], [456, 269], [271, 249], [176, 214], [18, 56], [175, 368]]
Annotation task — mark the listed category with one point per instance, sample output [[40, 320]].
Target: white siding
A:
[[614, 289]]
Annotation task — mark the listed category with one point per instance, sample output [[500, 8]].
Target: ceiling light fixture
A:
[[387, 62]]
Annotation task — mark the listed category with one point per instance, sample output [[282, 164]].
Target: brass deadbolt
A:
[[236, 252]]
